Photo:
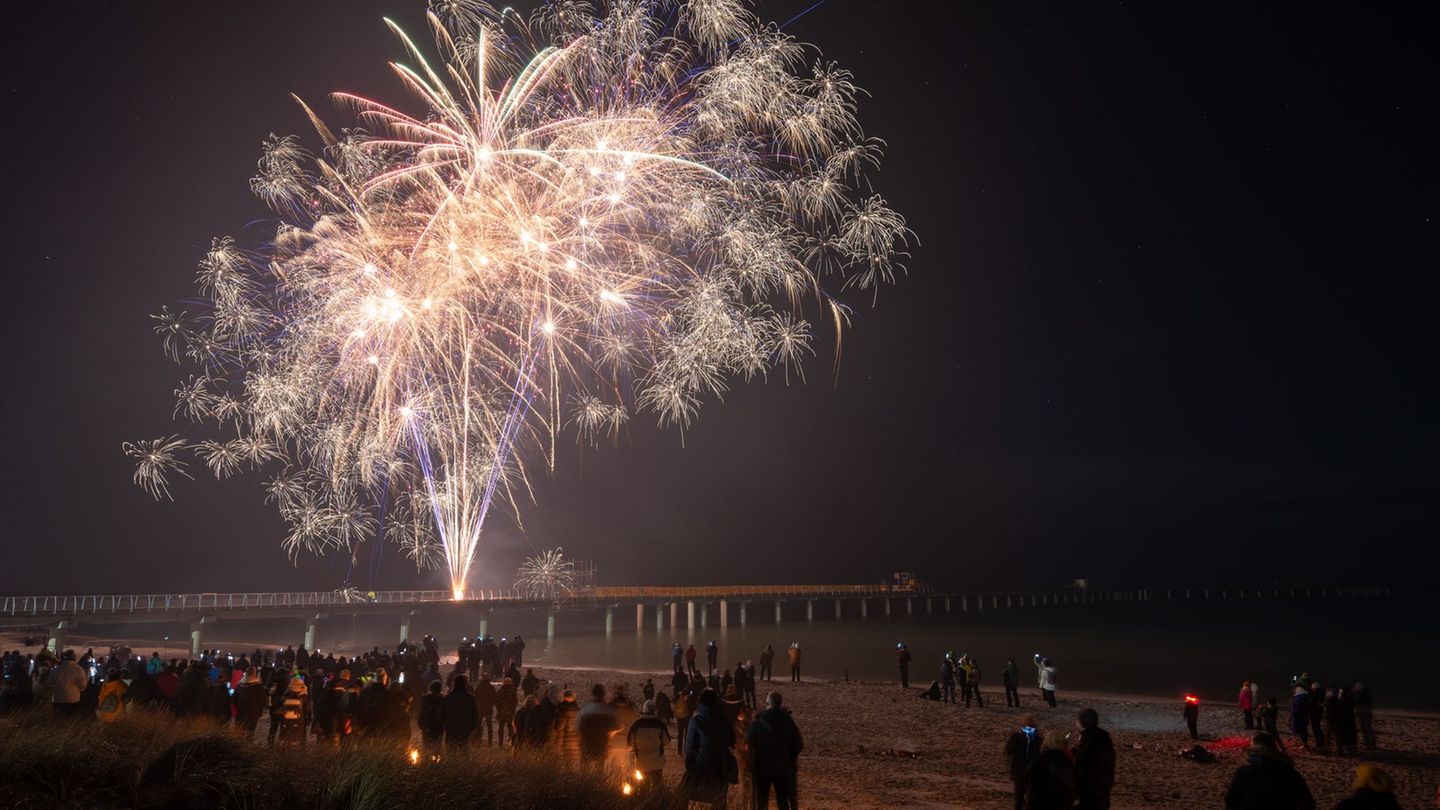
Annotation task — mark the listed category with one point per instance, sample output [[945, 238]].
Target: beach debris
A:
[[1197, 753]]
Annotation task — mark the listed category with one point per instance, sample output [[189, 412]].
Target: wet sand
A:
[[851, 730]]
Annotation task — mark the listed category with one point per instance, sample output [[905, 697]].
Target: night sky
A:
[[1169, 321]]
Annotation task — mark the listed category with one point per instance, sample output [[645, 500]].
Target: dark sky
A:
[[1170, 319]]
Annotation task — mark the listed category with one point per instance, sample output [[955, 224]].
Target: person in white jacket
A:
[[1045, 675], [67, 680], [648, 738]]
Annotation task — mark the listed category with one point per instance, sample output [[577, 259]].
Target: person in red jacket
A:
[[1247, 704]]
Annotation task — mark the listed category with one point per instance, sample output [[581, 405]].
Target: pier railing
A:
[[92, 604]]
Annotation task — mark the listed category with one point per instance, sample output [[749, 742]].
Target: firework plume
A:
[[592, 214]]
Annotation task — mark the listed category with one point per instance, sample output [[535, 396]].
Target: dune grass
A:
[[155, 760]]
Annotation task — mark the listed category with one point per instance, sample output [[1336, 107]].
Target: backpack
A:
[[292, 708]]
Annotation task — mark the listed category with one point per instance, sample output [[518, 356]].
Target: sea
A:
[[1161, 648]]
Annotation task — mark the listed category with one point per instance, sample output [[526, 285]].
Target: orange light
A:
[[626, 789], [414, 757], [639, 775]]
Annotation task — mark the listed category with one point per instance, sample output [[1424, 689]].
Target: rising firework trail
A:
[[596, 213]]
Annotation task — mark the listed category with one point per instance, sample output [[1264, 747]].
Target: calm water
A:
[[1153, 648]]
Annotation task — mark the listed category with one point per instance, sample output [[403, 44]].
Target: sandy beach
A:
[[851, 730]]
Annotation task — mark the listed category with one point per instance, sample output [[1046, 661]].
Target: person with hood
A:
[[1374, 790], [1267, 781], [461, 717], [684, 710], [507, 701], [67, 681], [773, 744], [530, 684], [767, 662], [250, 699], [1094, 756], [595, 723], [112, 698], [485, 704], [902, 661], [1050, 779], [527, 724], [648, 738], [1300, 715], [1010, 677], [709, 765], [794, 655], [295, 712], [1021, 749], [432, 719], [663, 708], [566, 735], [370, 707], [1247, 705]]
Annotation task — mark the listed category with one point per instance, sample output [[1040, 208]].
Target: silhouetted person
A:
[[774, 744], [1268, 781]]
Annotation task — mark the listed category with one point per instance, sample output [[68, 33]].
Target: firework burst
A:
[[597, 213], [547, 575]]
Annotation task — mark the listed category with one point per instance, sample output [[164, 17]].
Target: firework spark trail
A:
[[622, 210]]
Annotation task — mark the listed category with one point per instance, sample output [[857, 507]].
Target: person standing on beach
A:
[[1046, 669], [1316, 706], [1021, 749], [1300, 715], [1247, 705], [1050, 779], [1268, 781], [774, 744], [972, 684], [1094, 756], [712, 654], [677, 656], [709, 765], [902, 656], [1364, 716], [460, 716], [947, 678], [767, 662], [690, 655], [794, 654], [1011, 678], [431, 719], [67, 681], [684, 708], [1191, 713], [648, 738], [1270, 721], [596, 723], [1374, 790], [485, 706]]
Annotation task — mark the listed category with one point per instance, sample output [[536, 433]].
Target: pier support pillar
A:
[[309, 635], [964, 603], [639, 616], [929, 605], [704, 614], [887, 607], [550, 624], [674, 615], [609, 619], [995, 602], [405, 627], [1008, 603], [742, 613], [947, 604], [777, 611], [837, 609], [56, 642], [724, 614], [864, 608], [909, 606], [659, 618], [809, 610], [484, 623], [689, 615]]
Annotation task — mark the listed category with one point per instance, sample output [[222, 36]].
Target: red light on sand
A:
[[1191, 699]]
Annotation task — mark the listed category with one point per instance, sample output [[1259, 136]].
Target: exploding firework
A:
[[596, 214], [547, 575]]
